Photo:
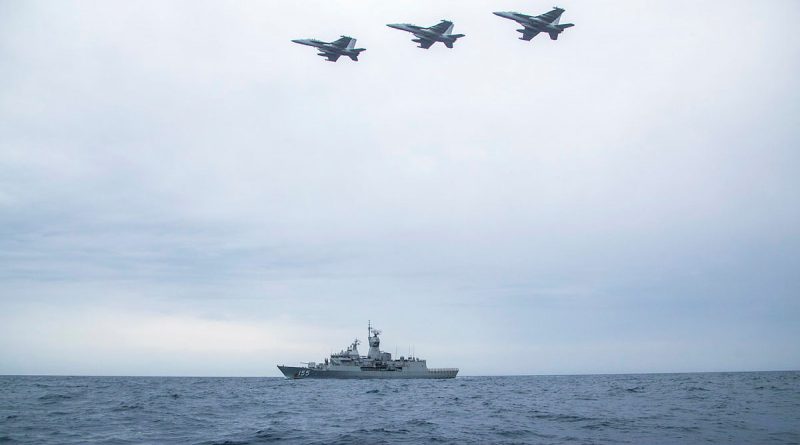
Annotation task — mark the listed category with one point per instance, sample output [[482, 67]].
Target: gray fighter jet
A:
[[533, 25], [426, 37], [345, 46]]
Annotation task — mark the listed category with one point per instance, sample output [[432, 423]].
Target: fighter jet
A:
[[345, 46], [531, 26], [426, 37]]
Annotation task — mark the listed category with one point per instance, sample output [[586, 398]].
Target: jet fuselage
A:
[[326, 47], [529, 22], [424, 33], [331, 50], [427, 36]]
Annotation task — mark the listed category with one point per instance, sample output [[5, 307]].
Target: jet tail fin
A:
[[354, 57], [554, 34], [453, 38]]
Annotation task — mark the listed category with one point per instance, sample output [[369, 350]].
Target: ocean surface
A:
[[729, 408]]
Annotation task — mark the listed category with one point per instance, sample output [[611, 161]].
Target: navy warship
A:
[[349, 364]]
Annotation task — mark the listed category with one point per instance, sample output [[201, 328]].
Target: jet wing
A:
[[528, 34], [443, 27], [424, 43], [552, 16], [330, 56]]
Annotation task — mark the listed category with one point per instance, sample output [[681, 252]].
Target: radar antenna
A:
[[372, 331]]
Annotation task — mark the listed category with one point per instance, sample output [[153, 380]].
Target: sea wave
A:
[[665, 408]]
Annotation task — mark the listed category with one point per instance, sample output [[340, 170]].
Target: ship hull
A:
[[296, 373]]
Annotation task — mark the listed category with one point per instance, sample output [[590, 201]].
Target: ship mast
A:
[[374, 342]]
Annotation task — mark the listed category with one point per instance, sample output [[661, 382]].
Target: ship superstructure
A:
[[377, 364]]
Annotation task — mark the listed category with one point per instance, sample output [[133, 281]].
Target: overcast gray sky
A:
[[183, 191]]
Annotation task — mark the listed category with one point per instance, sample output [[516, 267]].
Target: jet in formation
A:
[[533, 25], [426, 37], [442, 32], [345, 46]]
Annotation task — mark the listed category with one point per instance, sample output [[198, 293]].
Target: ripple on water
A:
[[715, 408], [54, 397]]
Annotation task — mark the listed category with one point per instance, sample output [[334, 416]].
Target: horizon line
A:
[[462, 376]]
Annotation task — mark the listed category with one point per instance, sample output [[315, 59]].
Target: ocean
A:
[[725, 408]]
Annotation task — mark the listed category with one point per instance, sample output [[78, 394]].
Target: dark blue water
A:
[[639, 409]]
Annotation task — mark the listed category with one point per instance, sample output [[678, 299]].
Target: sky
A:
[[183, 191]]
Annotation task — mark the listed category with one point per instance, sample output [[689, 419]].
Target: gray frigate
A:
[[377, 364]]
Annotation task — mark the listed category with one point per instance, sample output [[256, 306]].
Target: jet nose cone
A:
[[501, 14], [394, 25]]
